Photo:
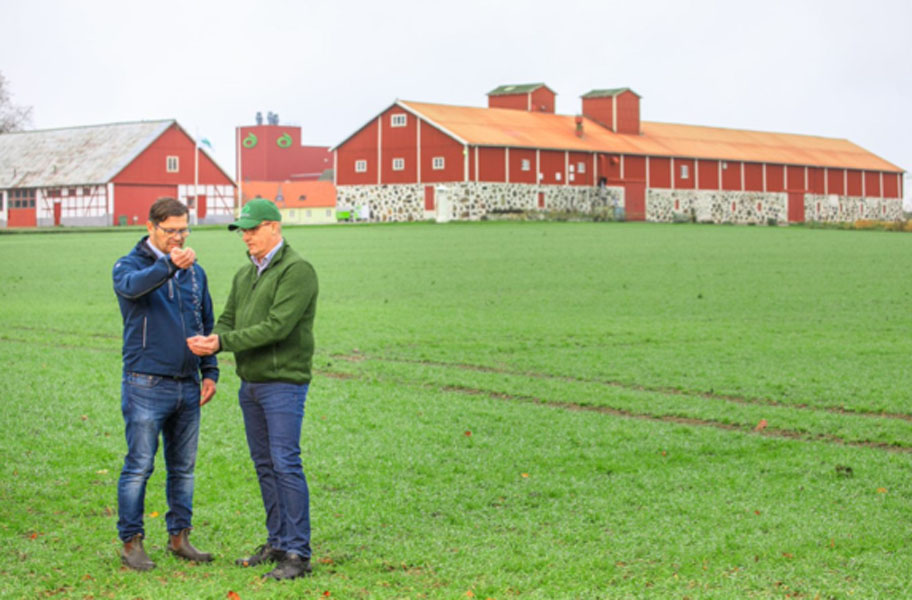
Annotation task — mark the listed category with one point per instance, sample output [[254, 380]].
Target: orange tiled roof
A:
[[315, 194], [518, 128]]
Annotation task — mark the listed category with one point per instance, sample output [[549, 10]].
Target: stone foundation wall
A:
[[840, 209], [714, 206], [471, 201]]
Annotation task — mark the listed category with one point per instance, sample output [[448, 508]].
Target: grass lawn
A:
[[500, 410]]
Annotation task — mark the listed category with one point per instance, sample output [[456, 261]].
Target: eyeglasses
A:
[[181, 232]]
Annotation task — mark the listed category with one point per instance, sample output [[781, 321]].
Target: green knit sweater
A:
[[268, 319]]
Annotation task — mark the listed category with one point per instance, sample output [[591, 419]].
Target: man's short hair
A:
[[166, 207]]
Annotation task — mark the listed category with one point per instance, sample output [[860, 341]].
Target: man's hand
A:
[[207, 391], [183, 258], [203, 345]]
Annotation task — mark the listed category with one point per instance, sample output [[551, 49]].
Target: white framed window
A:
[[437, 163], [360, 166], [172, 165], [580, 167], [398, 120], [685, 171], [724, 165], [329, 212], [557, 176], [572, 168], [398, 164], [525, 165]]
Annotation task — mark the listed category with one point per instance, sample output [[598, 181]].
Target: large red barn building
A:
[[107, 175], [418, 160]]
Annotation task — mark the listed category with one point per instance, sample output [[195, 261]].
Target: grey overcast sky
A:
[[834, 68]]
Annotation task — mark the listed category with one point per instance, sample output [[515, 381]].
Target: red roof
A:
[[291, 194], [524, 129]]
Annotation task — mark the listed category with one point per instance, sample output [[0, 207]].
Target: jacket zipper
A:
[[144, 331]]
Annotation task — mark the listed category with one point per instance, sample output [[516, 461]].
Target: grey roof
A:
[[517, 88], [609, 92], [74, 155]]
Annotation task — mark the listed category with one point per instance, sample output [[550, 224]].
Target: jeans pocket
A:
[[141, 380]]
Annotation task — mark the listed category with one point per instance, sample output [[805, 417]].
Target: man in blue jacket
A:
[[164, 299]]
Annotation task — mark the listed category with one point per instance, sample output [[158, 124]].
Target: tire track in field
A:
[[667, 391], [770, 432]]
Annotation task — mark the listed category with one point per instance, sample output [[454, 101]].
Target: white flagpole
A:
[[196, 149]]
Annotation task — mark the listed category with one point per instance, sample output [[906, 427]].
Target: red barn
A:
[[418, 160], [107, 175]]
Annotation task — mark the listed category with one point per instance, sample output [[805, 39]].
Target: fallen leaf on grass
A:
[[526, 475], [101, 471], [761, 425], [232, 595], [470, 594], [881, 490], [84, 417], [153, 514], [788, 555], [468, 433]]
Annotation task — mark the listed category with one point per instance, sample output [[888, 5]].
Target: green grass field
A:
[[532, 410]]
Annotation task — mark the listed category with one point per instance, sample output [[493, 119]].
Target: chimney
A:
[[579, 126], [533, 97], [617, 109]]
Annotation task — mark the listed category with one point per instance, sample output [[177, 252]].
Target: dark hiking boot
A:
[[291, 566], [134, 556], [179, 545], [264, 553]]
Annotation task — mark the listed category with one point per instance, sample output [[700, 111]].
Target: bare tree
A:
[[12, 117]]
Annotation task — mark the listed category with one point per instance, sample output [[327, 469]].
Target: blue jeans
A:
[[154, 405], [273, 413]]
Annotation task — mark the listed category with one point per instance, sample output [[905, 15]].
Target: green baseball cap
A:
[[255, 212]]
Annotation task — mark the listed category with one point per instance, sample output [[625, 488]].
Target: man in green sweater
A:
[[268, 324]]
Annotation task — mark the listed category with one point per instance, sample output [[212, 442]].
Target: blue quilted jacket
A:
[[162, 306]]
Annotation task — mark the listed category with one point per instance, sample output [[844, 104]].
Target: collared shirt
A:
[[160, 254], [262, 264]]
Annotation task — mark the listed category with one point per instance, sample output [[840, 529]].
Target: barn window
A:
[[360, 166], [437, 162], [685, 171], [328, 212], [397, 120], [557, 176], [525, 165], [398, 164], [171, 164], [581, 167]]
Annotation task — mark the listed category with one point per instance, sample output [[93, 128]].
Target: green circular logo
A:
[[284, 141], [250, 141]]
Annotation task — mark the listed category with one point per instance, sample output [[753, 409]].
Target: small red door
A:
[[429, 197], [541, 200], [201, 207], [796, 207], [57, 213], [635, 201]]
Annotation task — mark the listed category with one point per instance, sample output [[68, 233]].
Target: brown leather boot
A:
[[179, 545], [134, 556]]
